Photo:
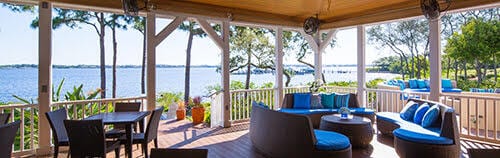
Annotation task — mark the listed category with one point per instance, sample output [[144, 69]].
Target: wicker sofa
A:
[[441, 140], [282, 135], [315, 114]]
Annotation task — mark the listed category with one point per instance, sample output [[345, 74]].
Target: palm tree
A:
[[193, 30], [113, 24]]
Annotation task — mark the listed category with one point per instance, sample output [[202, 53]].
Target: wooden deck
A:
[[234, 142]]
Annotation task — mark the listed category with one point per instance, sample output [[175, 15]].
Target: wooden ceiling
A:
[[287, 13]]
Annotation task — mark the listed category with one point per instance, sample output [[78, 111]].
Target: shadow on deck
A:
[[235, 142]]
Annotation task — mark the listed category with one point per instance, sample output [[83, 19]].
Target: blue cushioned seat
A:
[[307, 111], [327, 140], [362, 111], [451, 90], [421, 138]]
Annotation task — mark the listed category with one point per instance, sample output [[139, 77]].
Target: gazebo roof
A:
[[286, 13]]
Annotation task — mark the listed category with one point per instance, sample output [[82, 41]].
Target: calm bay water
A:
[[23, 81]]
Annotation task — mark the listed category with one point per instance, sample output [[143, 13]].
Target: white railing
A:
[[241, 100], [477, 112], [216, 110], [27, 140]]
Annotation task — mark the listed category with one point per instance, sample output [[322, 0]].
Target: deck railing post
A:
[[226, 100], [151, 61], [361, 66], [278, 94], [435, 58], [44, 75]]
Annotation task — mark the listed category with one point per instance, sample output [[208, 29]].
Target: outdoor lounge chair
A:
[[283, 135], [411, 140]]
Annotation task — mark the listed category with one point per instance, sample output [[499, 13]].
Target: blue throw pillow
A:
[[427, 84], [446, 83], [302, 100], [413, 83], [327, 100], [341, 100], [408, 111], [419, 114], [402, 85], [421, 84], [430, 116]]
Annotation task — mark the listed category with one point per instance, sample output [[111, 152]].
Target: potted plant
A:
[[197, 111], [181, 111]]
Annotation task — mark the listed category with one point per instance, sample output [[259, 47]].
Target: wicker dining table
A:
[[358, 129]]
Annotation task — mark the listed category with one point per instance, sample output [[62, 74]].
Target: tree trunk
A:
[[495, 64], [188, 64], [143, 68], [412, 74], [448, 68], [456, 69], [249, 69], [115, 44], [402, 67], [102, 56], [288, 78], [479, 74], [465, 71], [419, 68]]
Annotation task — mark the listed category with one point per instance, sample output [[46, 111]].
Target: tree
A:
[[71, 18], [115, 23], [193, 30], [139, 24], [294, 41], [250, 47], [477, 43]]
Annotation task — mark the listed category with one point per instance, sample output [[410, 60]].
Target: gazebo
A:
[[276, 15]]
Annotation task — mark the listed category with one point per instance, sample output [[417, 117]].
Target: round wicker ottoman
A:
[[358, 129]]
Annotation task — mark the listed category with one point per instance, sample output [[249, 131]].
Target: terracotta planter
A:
[[181, 114], [198, 114]]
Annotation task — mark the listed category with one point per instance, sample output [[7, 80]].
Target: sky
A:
[[19, 45]]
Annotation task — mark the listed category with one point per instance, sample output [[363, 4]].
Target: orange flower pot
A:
[[198, 114], [181, 114]]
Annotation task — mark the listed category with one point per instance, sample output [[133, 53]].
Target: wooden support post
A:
[[318, 46], [44, 75], [278, 100], [226, 101], [223, 43], [435, 58], [151, 60], [361, 66]]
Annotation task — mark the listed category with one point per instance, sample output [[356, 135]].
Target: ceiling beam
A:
[[393, 12]]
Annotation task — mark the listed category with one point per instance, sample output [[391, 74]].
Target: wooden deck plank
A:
[[235, 142]]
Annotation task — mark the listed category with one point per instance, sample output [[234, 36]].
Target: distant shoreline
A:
[[139, 66]]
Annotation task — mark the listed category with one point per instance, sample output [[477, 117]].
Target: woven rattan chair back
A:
[[56, 120], [4, 118], [7, 136], [154, 121], [179, 153], [86, 138]]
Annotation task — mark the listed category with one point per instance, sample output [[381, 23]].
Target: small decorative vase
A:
[[344, 116], [181, 114], [198, 114]]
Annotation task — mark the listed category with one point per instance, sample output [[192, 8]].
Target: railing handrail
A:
[[96, 100], [470, 96], [298, 87], [251, 90], [10, 106]]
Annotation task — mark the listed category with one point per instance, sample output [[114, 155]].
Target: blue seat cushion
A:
[[418, 137], [417, 90], [327, 140], [307, 111], [362, 111], [451, 90]]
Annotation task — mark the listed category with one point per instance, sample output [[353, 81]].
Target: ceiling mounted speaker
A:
[[130, 7], [430, 8], [311, 25]]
